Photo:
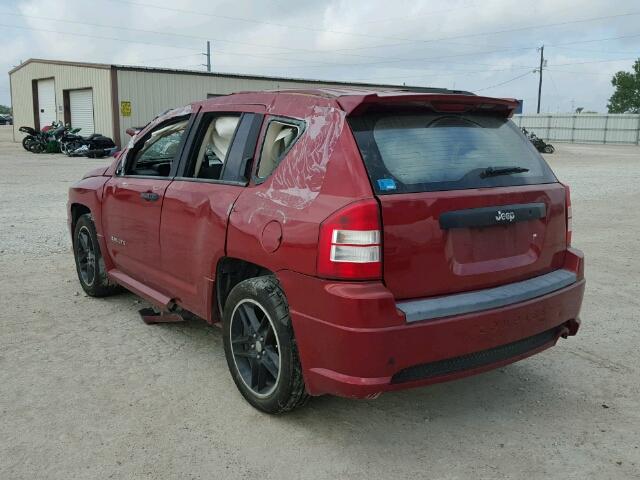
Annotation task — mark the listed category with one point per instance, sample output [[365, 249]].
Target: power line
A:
[[510, 30], [605, 39], [430, 14], [520, 29], [594, 40], [605, 52], [100, 37], [115, 39], [324, 64], [267, 55], [156, 32], [408, 40], [574, 72], [440, 59], [198, 37], [449, 73], [555, 87], [595, 61], [503, 83], [177, 57]]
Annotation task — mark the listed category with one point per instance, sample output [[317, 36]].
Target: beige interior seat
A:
[[217, 139], [278, 138]]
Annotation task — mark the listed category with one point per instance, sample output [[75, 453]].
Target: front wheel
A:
[[36, 146], [549, 149], [92, 272], [72, 147], [260, 347]]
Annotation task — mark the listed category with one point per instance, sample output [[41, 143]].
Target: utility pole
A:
[[540, 72], [208, 55]]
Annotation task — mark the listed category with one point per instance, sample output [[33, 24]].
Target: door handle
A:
[[150, 196]]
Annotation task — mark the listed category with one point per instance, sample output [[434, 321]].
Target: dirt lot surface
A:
[[88, 391]]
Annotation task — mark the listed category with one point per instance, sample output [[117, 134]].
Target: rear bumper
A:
[[354, 341]]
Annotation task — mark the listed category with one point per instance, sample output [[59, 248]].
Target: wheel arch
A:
[[229, 272], [77, 210]]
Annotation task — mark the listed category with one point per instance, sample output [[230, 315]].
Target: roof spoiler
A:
[[446, 103]]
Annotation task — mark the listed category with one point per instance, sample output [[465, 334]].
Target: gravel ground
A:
[[88, 391]]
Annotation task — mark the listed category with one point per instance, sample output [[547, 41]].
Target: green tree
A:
[[626, 98], [4, 110]]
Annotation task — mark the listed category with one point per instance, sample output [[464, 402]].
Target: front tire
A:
[[92, 272], [71, 148], [260, 346], [549, 149]]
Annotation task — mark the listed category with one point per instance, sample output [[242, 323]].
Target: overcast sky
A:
[[486, 46]]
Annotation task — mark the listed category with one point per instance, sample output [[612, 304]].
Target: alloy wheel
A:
[[255, 347], [86, 256]]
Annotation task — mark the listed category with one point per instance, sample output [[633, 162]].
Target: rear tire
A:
[[26, 141], [92, 272], [260, 348]]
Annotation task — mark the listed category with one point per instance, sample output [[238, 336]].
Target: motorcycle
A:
[[93, 146], [68, 136], [537, 142], [31, 133], [47, 139]]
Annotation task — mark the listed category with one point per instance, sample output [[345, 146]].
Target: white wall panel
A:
[[584, 128]]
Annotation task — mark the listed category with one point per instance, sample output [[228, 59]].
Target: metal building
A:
[[108, 99]]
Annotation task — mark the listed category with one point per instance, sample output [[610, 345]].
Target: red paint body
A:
[[351, 336]]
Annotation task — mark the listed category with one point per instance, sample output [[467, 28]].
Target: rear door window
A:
[[213, 146], [222, 147], [433, 151]]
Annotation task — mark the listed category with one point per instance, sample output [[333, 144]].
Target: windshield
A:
[[433, 151]]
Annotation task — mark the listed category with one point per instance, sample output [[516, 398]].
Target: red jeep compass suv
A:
[[349, 242]]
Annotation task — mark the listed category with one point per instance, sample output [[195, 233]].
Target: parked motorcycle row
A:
[[58, 137], [537, 142]]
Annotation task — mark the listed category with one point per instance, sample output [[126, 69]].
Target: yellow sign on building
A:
[[125, 108]]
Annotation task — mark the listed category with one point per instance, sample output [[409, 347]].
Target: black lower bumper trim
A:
[[474, 360]]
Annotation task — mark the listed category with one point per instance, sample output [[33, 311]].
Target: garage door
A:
[[81, 107], [46, 102]]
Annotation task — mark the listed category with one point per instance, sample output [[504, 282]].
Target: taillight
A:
[[349, 245], [567, 191]]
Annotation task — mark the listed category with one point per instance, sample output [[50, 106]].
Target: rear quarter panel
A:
[[275, 223]]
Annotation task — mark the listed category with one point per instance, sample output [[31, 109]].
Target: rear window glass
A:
[[432, 151]]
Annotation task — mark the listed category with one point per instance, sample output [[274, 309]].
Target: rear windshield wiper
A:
[[495, 171]]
